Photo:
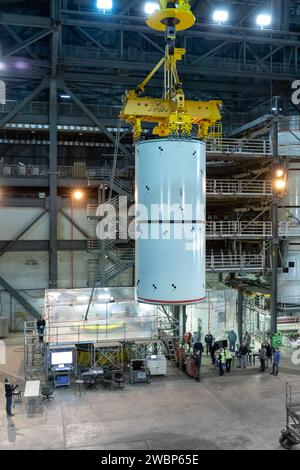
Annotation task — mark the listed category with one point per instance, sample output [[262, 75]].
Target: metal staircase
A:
[[108, 273], [168, 332], [98, 176], [33, 349]]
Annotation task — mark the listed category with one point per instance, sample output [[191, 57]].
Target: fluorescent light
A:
[[263, 20], [150, 7], [83, 298], [2, 66], [220, 16], [104, 4], [67, 97]]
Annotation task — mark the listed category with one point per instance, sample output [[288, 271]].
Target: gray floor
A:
[[243, 410]]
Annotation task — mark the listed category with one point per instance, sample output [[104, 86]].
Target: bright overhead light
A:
[[104, 4], [279, 173], [220, 16], [78, 195], [2, 66], [67, 97], [263, 20], [151, 7], [280, 184]]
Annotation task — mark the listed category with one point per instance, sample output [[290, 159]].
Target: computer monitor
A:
[[59, 358]]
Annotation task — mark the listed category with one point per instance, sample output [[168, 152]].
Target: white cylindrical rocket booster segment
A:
[[170, 221], [289, 214], [289, 135]]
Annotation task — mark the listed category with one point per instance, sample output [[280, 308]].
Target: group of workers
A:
[[222, 357]]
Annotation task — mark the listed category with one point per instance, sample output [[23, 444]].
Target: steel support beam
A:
[[27, 43], [234, 34], [23, 103], [19, 298], [128, 7], [275, 239], [53, 175], [19, 40], [74, 223], [55, 7], [240, 315], [265, 73], [28, 227], [94, 41], [25, 21], [93, 118], [43, 245]]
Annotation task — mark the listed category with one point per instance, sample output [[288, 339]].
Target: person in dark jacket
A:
[[243, 351], [262, 357], [269, 354], [40, 324], [208, 342], [213, 351], [198, 346], [9, 390], [197, 358]]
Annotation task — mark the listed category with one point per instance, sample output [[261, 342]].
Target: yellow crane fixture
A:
[[172, 114]]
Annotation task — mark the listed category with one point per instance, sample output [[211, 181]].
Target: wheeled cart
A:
[[139, 372], [290, 435]]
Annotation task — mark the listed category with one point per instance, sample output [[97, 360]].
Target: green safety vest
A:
[[227, 355]]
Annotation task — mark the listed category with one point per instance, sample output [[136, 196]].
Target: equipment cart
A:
[[139, 372], [290, 435]]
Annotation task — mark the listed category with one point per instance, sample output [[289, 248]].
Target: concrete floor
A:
[[243, 410]]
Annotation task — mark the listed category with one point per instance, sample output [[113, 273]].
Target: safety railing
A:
[[261, 147], [32, 171], [289, 300], [222, 229], [250, 188], [234, 262], [64, 109], [227, 229], [95, 332], [14, 171], [289, 229]]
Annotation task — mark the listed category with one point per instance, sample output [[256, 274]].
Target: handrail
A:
[[289, 229]]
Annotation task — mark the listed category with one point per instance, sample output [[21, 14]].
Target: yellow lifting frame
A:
[[172, 114]]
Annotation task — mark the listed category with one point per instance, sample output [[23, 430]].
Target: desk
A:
[[91, 375], [32, 389]]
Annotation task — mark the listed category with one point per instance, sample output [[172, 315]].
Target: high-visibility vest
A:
[[227, 355]]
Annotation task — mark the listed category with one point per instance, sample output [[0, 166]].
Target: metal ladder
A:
[[33, 358]]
